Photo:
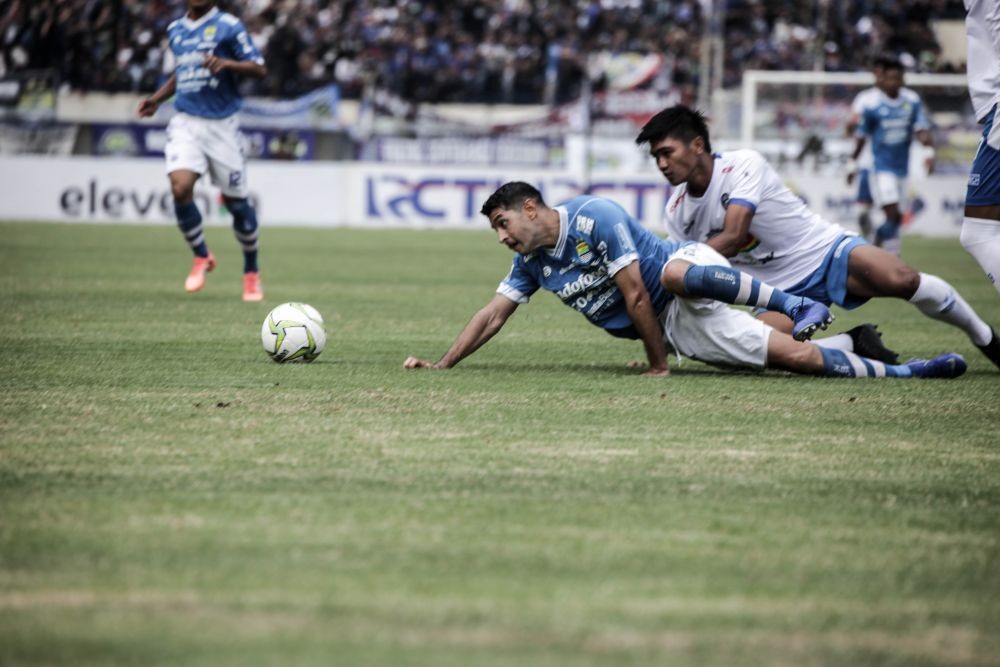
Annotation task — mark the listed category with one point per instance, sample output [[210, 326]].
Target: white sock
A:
[[839, 341], [981, 239], [936, 298]]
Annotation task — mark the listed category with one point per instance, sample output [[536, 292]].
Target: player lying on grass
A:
[[598, 260], [736, 203]]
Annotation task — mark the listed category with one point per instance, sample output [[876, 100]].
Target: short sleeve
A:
[[519, 284], [611, 236], [748, 181]]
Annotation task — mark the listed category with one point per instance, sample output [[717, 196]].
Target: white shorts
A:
[[208, 145], [887, 188], [711, 331]]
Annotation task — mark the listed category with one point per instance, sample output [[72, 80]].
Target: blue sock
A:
[[840, 363], [189, 220], [724, 283], [246, 230]]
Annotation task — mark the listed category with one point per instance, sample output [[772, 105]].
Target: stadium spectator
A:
[[463, 50], [626, 280], [212, 49], [981, 227], [736, 203]]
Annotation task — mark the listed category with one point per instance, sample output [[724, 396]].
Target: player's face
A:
[[515, 228], [891, 81], [200, 6], [676, 159]]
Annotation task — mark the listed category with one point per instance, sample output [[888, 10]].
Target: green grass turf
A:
[[169, 496]]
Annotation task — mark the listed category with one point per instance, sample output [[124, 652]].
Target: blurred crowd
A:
[[516, 51]]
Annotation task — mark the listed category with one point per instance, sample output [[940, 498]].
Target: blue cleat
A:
[[809, 317], [946, 366]]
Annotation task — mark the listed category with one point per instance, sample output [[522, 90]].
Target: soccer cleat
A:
[[196, 279], [809, 317], [868, 343], [992, 348], [946, 366], [251, 287]]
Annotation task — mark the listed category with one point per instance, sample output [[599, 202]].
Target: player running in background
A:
[[736, 203], [889, 119], [599, 261], [981, 227], [861, 167], [212, 49]]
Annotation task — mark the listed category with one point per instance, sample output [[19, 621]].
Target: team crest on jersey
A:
[[584, 252], [209, 33]]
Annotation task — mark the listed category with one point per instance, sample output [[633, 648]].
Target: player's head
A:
[[200, 6], [889, 75], [513, 211], [678, 140]]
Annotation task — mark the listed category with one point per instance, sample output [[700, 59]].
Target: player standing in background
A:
[[981, 227], [212, 48], [861, 167], [602, 263], [736, 203], [889, 119]]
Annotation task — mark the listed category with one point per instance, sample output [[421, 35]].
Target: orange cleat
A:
[[251, 287], [196, 279]]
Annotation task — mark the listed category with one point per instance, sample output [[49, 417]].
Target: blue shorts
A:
[[864, 190], [828, 283], [984, 179]]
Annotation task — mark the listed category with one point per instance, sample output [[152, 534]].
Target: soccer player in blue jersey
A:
[[599, 261], [889, 119], [736, 203], [860, 169], [212, 50], [981, 226]]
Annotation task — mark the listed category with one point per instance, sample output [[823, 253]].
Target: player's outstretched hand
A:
[[414, 362], [147, 108], [215, 64]]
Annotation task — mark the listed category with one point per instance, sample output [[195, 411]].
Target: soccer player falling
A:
[[212, 49]]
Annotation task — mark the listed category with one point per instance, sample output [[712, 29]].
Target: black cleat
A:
[[868, 343], [992, 348]]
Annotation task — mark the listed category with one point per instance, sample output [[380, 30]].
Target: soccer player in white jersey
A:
[[981, 227], [599, 261], [861, 167], [212, 49], [889, 119], [736, 203]]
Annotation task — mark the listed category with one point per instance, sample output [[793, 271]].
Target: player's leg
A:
[[872, 272], [981, 227], [786, 353], [185, 165], [228, 169], [888, 191], [698, 271], [865, 340], [864, 201]]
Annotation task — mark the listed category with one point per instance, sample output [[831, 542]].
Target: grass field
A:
[[169, 496]]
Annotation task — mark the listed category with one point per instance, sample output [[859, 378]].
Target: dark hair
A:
[[510, 196], [679, 122], [888, 61]]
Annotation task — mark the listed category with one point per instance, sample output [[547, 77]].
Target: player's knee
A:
[[902, 280], [182, 192], [672, 277]]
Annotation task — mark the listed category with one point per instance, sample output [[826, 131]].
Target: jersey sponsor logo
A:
[[546, 271], [974, 180], [725, 200], [584, 252], [584, 224], [585, 281]]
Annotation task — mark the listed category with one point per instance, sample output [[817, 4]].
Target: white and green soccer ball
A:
[[293, 332]]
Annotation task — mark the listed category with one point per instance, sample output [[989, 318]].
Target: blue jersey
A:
[[890, 125], [199, 93], [597, 239]]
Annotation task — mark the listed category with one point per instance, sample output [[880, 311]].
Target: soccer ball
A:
[[293, 332]]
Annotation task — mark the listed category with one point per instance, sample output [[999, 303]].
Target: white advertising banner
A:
[[359, 194]]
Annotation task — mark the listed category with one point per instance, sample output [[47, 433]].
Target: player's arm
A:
[[250, 68], [852, 165], [483, 326], [149, 105], [640, 311], [735, 230], [927, 139]]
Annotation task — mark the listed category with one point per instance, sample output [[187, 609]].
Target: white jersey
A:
[[788, 241], [862, 100], [982, 25]]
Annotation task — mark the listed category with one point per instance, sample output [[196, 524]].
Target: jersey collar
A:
[[563, 231], [192, 25]]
